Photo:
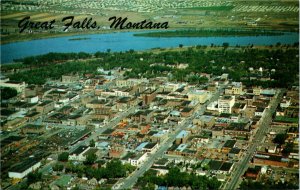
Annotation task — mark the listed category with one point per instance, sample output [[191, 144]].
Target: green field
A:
[[212, 8]]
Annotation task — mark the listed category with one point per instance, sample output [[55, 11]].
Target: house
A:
[[45, 106]]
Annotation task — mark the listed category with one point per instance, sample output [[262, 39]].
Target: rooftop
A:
[[150, 145], [45, 102], [182, 134], [79, 150], [229, 143], [21, 167], [226, 166]]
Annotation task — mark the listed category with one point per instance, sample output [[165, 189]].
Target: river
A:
[[123, 41]]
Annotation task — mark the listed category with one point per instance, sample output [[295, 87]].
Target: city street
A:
[[128, 182], [242, 165]]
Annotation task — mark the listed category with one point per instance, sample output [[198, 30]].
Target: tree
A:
[[225, 45], [7, 93], [288, 148], [58, 167], [92, 143], [129, 167], [280, 138], [115, 168], [214, 183], [90, 159], [34, 177], [249, 184], [63, 157]]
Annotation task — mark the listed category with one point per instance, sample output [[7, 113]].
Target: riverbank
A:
[[210, 33], [37, 36]]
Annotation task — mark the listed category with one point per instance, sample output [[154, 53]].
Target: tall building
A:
[[225, 104]]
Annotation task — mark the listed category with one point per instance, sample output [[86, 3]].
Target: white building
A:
[[138, 160], [78, 154], [23, 169], [225, 104], [213, 106], [32, 99], [19, 86], [286, 102]]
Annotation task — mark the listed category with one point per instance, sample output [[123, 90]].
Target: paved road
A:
[[128, 182], [242, 165]]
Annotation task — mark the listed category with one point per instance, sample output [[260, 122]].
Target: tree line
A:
[[234, 61], [176, 178]]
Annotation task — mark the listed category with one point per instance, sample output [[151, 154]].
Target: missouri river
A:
[[123, 41]]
